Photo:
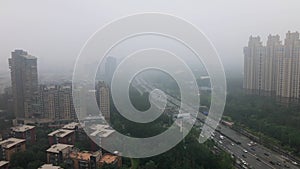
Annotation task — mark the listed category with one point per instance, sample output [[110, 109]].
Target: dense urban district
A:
[[260, 126]]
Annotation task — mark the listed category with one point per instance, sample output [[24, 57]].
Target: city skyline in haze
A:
[[55, 31]]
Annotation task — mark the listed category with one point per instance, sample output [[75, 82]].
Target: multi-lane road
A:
[[246, 153]]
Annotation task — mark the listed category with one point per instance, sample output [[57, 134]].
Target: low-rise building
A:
[[71, 126], [80, 134], [4, 164], [49, 166], [98, 133], [62, 136], [26, 132], [10, 146], [110, 159], [58, 153], [84, 159]]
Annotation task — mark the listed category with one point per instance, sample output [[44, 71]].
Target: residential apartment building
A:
[[111, 159], [10, 146], [25, 132], [255, 54], [273, 69], [57, 153], [84, 159], [110, 67], [62, 136], [24, 80], [289, 67], [57, 102], [103, 99]]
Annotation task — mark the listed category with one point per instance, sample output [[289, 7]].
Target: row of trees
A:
[[187, 154], [265, 115]]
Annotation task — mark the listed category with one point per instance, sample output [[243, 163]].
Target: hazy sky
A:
[[55, 30]]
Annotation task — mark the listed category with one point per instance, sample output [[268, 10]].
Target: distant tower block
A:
[[102, 94], [274, 68], [110, 67], [24, 80]]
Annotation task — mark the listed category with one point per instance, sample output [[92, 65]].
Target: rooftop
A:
[[101, 130], [11, 142], [81, 155], [49, 166], [84, 155], [61, 133], [71, 126], [22, 128], [3, 163], [108, 159], [29, 57], [56, 148]]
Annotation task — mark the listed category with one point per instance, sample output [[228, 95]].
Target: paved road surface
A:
[[254, 156]]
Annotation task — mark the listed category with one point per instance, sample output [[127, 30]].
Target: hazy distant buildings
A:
[[8, 100], [110, 67], [102, 96], [289, 67], [24, 79], [273, 69], [254, 53], [56, 102]]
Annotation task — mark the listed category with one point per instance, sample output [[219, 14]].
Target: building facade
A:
[[254, 56], [26, 132], [56, 102], [10, 146], [24, 80], [103, 99], [84, 159], [110, 67], [57, 153], [62, 136], [273, 69]]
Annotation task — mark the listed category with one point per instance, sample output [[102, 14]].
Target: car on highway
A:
[[244, 162], [245, 151], [278, 163], [271, 162], [294, 162], [245, 167], [243, 155]]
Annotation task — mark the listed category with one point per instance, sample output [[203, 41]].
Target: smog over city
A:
[[149, 84]]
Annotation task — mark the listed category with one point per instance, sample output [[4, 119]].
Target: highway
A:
[[246, 153]]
